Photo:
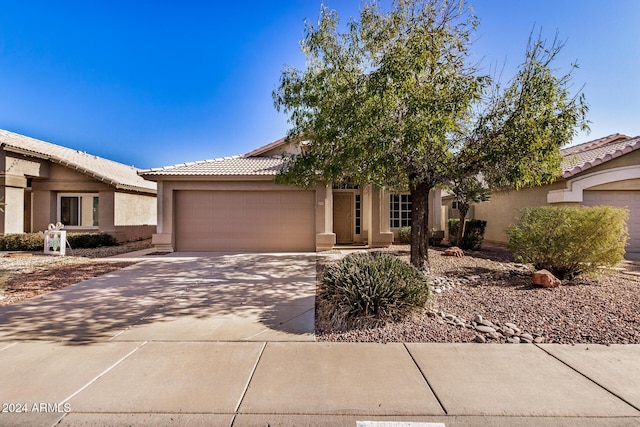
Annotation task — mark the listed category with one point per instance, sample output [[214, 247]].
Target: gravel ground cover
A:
[[487, 289], [25, 275]]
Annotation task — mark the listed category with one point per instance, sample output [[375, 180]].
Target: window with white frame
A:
[[399, 210], [78, 210]]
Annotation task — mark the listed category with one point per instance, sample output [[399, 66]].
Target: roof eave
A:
[[207, 177], [65, 163]]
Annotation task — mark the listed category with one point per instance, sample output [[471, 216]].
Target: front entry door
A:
[[343, 217]]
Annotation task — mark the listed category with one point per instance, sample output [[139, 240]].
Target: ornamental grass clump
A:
[[371, 288], [568, 241]]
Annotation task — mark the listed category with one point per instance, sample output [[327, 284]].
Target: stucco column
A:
[[435, 218], [325, 237], [162, 240], [12, 193], [106, 209], [378, 237]]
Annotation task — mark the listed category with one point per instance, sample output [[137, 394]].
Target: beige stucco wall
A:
[[501, 211], [19, 165], [135, 209], [627, 184]]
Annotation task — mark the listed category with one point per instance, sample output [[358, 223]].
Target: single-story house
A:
[[605, 171], [43, 183], [233, 204]]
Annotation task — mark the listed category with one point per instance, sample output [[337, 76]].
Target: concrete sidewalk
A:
[[308, 383], [227, 340]]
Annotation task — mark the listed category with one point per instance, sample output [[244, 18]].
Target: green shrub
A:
[[90, 240], [473, 233], [405, 235], [22, 242], [570, 240], [371, 286]]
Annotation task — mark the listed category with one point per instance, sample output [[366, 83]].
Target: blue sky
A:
[[158, 83]]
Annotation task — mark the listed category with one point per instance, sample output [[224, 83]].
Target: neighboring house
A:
[[605, 171], [43, 183], [233, 204]]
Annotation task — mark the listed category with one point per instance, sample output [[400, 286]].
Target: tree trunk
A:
[[464, 209], [419, 224]]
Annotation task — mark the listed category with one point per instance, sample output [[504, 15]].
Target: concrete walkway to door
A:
[[178, 297]]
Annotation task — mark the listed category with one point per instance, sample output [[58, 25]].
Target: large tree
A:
[[394, 100]]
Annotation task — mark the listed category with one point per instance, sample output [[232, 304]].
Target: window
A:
[[454, 205], [399, 210], [358, 222], [78, 210]]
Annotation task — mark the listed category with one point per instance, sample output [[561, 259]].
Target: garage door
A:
[[629, 199], [245, 221]]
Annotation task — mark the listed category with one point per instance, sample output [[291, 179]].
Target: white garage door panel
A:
[[629, 199], [245, 221]]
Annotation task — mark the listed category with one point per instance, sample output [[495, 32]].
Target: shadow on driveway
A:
[[184, 297]]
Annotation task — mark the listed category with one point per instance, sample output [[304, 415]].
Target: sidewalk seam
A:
[[103, 373], [425, 379], [246, 387], [588, 378]]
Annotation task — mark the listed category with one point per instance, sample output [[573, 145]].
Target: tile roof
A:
[[116, 174], [576, 159], [230, 166], [584, 156]]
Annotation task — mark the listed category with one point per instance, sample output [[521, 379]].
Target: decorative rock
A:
[[486, 323], [511, 325], [538, 340], [454, 251], [480, 339], [437, 291], [478, 318], [513, 340], [526, 336], [495, 335], [524, 341], [546, 279], [485, 329], [508, 332]]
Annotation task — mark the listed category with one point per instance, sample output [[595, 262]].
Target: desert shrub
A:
[[90, 240], [570, 240], [405, 235], [368, 286], [473, 233], [22, 242]]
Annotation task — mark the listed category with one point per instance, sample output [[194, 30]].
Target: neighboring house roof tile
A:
[[232, 166], [593, 153], [112, 173]]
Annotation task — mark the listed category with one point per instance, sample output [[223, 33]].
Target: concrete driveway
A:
[[178, 297]]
